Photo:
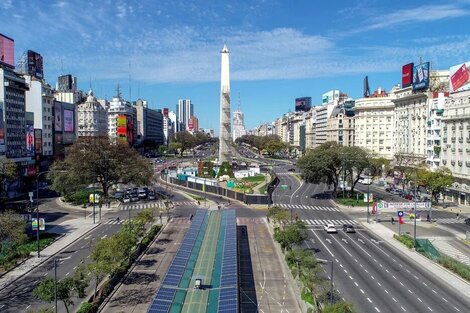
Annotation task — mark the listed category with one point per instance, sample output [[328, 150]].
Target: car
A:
[[151, 195], [408, 197], [126, 200], [330, 228], [135, 198], [291, 170], [118, 195], [142, 194], [467, 221], [348, 228]]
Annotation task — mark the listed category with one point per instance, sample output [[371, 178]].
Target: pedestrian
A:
[[393, 220], [458, 215]]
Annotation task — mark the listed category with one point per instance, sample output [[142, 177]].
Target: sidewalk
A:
[[70, 230], [114, 206]]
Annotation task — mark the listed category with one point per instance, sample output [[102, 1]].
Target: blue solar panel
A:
[[160, 307]]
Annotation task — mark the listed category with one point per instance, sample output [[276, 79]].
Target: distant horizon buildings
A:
[[184, 110], [238, 124]]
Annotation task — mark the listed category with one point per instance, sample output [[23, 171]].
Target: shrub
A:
[[455, 266], [405, 239], [85, 307]]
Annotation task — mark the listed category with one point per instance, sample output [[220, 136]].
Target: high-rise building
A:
[[225, 140], [92, 118], [149, 123], [375, 124], [122, 120], [40, 101], [66, 83], [31, 63], [13, 89], [184, 110], [238, 124]]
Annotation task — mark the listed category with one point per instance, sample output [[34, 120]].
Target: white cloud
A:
[[6, 4], [427, 13]]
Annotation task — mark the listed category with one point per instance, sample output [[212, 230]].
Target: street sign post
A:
[[400, 221]]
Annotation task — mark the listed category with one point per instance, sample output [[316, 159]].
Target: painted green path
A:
[[196, 300]]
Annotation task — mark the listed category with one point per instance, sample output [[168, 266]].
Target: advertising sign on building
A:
[[34, 223], [58, 116], [68, 121], [407, 75], [122, 128], [38, 140], [460, 77], [2, 129], [303, 104], [330, 96], [421, 76], [7, 51], [35, 64], [30, 140], [165, 112]]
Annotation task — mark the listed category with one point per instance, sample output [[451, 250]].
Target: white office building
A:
[[92, 117]]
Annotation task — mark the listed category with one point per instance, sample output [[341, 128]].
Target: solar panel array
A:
[[163, 299], [228, 296]]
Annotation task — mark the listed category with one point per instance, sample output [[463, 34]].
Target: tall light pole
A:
[[37, 209]]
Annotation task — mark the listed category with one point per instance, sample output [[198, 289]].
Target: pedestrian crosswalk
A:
[[144, 205], [338, 222], [306, 207], [115, 221], [450, 220]]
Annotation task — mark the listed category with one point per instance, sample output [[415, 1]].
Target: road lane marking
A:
[[402, 284], [410, 291], [68, 273], [322, 243], [362, 291], [386, 291], [434, 291], [45, 274], [379, 284], [456, 308], [394, 299], [444, 299], [356, 284], [403, 309], [429, 309], [350, 277], [377, 309], [28, 306], [419, 300], [370, 301]]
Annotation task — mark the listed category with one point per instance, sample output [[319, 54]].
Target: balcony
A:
[[453, 140], [460, 163], [444, 162], [460, 150], [452, 162], [460, 140]]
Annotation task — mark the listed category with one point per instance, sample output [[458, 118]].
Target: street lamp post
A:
[[331, 276], [37, 209]]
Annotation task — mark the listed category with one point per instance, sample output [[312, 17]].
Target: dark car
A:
[[291, 170], [348, 228], [467, 221]]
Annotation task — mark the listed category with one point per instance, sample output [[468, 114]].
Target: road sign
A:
[[400, 220], [400, 213], [284, 187], [369, 198], [407, 205], [380, 205], [42, 224]]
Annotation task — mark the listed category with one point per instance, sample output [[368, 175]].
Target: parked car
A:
[[151, 195], [135, 198], [330, 228], [118, 195], [291, 170], [126, 200], [142, 194], [467, 221], [408, 197], [348, 228]]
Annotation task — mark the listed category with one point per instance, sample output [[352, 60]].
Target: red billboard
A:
[[165, 112], [7, 51], [460, 77], [407, 75]]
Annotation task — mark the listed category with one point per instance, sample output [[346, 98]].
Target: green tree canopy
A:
[[436, 181], [292, 234], [8, 171], [12, 230], [96, 160]]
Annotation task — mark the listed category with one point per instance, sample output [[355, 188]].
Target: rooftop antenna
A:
[[118, 91], [238, 101], [130, 87]]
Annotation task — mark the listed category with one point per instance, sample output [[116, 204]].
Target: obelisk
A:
[[225, 137]]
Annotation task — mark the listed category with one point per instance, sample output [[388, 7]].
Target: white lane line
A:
[[356, 284], [104, 236], [377, 309], [1, 306], [394, 277], [434, 291], [456, 308], [362, 291], [75, 267], [372, 277], [379, 284], [419, 300], [394, 299], [429, 309], [370, 301], [402, 284], [341, 265], [403, 309], [45, 274], [322, 243], [424, 283], [410, 291], [350, 277], [68, 273], [386, 291], [444, 299], [28, 306], [342, 246]]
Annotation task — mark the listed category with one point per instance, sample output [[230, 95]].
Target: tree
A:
[[185, 139], [355, 161], [273, 146], [162, 150], [174, 147], [95, 160], [403, 164], [279, 216], [8, 171], [291, 235], [12, 230], [67, 288], [322, 165], [436, 181]]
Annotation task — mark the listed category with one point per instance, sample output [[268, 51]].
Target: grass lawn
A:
[[353, 201], [307, 297], [254, 179]]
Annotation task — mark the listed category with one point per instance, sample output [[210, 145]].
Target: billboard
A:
[[7, 51], [303, 104], [68, 121], [38, 140], [58, 116], [122, 127], [165, 112], [35, 64], [421, 76], [330, 96], [407, 75], [460, 77], [29, 140]]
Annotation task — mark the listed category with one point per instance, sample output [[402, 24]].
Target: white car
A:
[[330, 228], [126, 200]]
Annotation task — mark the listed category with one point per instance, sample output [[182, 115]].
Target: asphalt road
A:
[[367, 272]]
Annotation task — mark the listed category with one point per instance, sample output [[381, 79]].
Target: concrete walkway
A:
[[70, 230]]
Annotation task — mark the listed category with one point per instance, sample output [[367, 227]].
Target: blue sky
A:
[[280, 50]]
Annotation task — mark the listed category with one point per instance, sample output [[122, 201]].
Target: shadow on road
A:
[[248, 300]]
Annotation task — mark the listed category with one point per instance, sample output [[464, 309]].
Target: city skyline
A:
[[336, 45]]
